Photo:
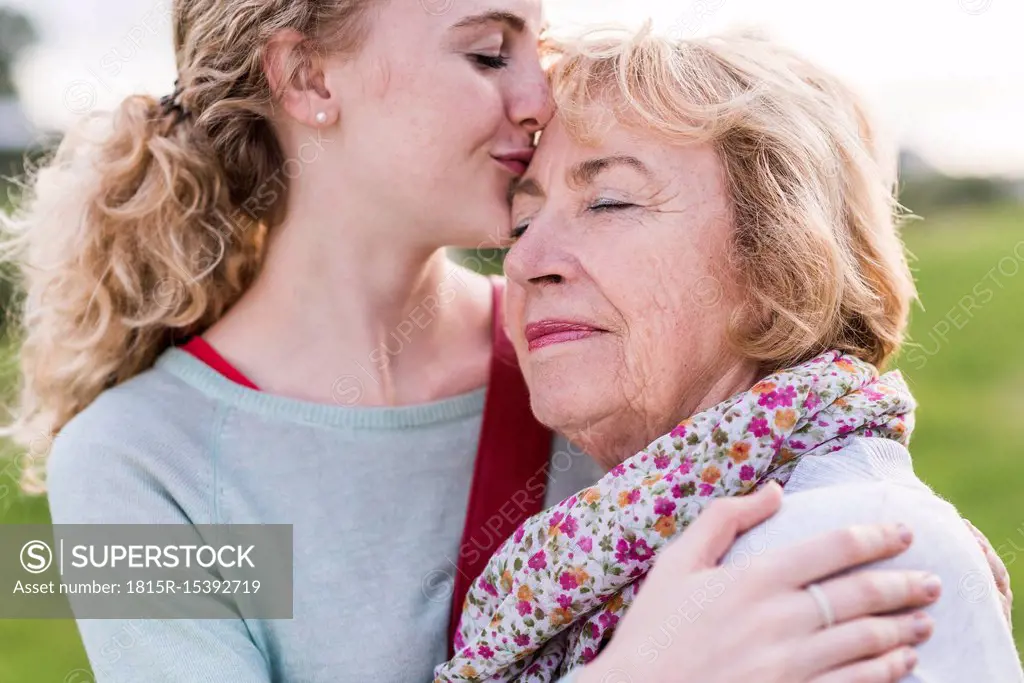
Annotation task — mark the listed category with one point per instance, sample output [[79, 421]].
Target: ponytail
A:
[[148, 224], [126, 240]]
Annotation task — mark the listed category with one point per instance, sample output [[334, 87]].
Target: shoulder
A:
[[878, 486], [133, 454], [869, 483]]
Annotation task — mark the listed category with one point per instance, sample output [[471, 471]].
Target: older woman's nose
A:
[[535, 260]]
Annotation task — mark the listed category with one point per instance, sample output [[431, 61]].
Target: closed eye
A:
[[490, 61], [608, 205], [519, 230]]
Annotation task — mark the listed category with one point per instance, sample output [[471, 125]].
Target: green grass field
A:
[[967, 373]]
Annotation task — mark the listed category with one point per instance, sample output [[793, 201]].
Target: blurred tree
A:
[[16, 33]]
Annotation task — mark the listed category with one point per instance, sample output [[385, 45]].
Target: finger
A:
[[861, 639], [863, 593], [999, 571], [998, 567], [1007, 603], [830, 553], [889, 668], [716, 529]]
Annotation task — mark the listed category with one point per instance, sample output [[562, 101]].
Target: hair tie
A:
[[172, 103]]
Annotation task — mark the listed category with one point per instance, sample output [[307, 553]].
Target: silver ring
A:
[[824, 607]]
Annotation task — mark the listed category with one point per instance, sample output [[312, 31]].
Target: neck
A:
[[610, 444], [344, 318]]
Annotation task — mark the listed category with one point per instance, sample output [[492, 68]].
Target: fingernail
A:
[[932, 586], [906, 535], [911, 659], [922, 627]]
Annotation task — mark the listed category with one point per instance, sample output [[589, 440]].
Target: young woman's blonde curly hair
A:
[[812, 187], [141, 230]]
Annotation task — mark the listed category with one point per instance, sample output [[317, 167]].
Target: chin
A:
[[565, 406]]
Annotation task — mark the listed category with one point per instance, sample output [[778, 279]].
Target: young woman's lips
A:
[[548, 332], [515, 161], [517, 167]]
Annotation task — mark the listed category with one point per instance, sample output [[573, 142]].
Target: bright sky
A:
[[946, 76]]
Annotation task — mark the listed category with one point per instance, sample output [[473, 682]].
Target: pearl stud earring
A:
[[321, 117]]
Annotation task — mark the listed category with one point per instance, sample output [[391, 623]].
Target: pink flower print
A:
[[759, 426], [518, 535], [706, 489], [523, 608], [556, 518], [661, 461], [679, 431], [485, 652], [595, 632], [538, 561], [684, 489], [811, 402], [622, 551], [459, 642], [636, 550], [608, 620], [640, 551], [664, 506], [565, 600], [489, 588], [568, 581], [769, 399], [798, 445], [522, 640], [618, 470], [746, 473], [685, 467], [570, 526], [786, 396], [589, 654], [586, 544]]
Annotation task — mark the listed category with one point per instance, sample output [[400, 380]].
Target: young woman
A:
[[290, 204]]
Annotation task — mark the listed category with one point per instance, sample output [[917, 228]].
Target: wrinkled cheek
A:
[[652, 360]]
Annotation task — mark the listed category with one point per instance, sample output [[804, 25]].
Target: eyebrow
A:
[[513, 21], [525, 186], [585, 172], [582, 174]]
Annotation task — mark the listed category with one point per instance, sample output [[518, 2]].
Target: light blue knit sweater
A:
[[377, 497]]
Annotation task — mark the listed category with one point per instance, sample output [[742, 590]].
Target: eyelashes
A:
[[602, 205], [599, 206], [490, 61]]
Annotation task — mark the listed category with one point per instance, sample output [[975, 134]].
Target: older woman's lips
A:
[[547, 332]]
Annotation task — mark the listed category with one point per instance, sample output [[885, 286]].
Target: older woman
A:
[[706, 283]]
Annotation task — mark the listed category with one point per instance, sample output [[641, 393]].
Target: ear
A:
[[296, 78]]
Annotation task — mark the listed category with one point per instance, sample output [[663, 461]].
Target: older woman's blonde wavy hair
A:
[[138, 231], [815, 239]]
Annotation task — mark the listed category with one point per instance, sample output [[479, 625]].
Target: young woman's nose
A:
[[530, 103]]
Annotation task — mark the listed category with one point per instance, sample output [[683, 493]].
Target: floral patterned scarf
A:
[[554, 590]]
